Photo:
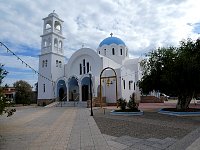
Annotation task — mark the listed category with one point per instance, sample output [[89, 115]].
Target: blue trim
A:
[[172, 113], [61, 84], [113, 112], [112, 40]]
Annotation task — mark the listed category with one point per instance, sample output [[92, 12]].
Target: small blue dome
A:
[[111, 40]]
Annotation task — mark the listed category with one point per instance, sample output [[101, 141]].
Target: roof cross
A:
[[111, 34], [83, 44]]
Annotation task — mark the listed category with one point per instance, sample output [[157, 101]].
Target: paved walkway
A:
[[195, 145], [51, 128], [73, 128], [85, 134]]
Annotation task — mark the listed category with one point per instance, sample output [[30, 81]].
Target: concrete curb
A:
[[179, 113], [113, 112]]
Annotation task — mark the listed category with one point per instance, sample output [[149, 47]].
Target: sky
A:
[[142, 24]]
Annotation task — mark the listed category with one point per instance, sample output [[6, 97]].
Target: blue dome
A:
[[111, 40]]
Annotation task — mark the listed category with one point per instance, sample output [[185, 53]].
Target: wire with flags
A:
[[23, 62]]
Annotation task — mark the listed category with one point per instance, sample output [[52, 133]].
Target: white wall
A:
[[72, 68], [107, 62], [127, 76], [106, 50], [73, 65], [134, 64], [51, 72]]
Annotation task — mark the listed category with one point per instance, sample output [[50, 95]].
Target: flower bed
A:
[[127, 112], [175, 112]]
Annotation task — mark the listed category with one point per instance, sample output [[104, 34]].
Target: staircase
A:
[[72, 104], [98, 103]]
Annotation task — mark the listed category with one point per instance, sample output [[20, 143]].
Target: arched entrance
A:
[[85, 85], [73, 89], [108, 81], [61, 93], [61, 90]]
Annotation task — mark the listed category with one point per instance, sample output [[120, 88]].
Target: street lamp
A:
[[90, 75]]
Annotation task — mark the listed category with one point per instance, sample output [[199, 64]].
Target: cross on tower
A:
[[111, 34], [83, 45]]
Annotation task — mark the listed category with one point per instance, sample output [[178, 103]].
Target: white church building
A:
[[71, 81]]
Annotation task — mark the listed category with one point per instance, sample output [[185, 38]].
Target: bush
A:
[[132, 105], [44, 104], [121, 103]]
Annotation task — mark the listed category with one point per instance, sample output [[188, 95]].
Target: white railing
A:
[[76, 100], [48, 30], [62, 100]]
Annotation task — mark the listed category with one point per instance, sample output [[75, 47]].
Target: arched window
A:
[[46, 63], [121, 51], [105, 52], [60, 44], [83, 66], [44, 43], [44, 88], [134, 85], [99, 52], [88, 67], [129, 84], [113, 51], [80, 69], [48, 25], [43, 62], [56, 42], [56, 63], [60, 64], [57, 25], [49, 41]]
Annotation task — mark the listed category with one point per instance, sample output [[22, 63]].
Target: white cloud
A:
[[142, 25]]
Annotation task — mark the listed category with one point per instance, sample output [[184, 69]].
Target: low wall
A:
[[151, 99], [44, 102]]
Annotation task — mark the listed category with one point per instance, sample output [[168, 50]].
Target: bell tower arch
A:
[[52, 38]]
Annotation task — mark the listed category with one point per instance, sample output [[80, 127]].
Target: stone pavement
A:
[[131, 143], [51, 128], [85, 135], [73, 128], [195, 145], [190, 142]]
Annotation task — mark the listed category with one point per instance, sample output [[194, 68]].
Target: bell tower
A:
[[52, 39], [51, 59]]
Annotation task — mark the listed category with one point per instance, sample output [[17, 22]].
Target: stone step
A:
[[72, 104], [99, 104], [151, 99], [52, 104]]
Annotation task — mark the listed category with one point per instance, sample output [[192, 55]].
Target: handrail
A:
[[76, 99], [63, 99]]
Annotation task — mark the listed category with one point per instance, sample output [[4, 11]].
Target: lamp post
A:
[[90, 75]]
